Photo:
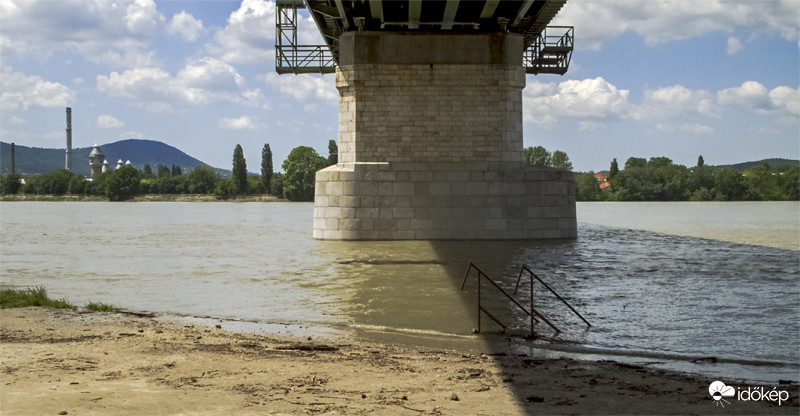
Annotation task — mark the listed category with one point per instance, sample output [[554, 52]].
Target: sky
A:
[[648, 78]]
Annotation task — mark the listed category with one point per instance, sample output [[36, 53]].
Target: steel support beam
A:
[[342, 14], [523, 10], [449, 14], [489, 8], [376, 9], [414, 13]]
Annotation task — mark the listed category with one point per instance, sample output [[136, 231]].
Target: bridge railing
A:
[[304, 59]]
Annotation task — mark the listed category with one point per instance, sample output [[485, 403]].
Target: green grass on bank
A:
[[37, 296], [32, 296], [101, 307]]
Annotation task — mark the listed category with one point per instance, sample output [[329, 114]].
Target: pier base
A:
[[430, 144]]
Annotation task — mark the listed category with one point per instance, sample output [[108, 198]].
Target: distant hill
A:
[[37, 161], [773, 163]]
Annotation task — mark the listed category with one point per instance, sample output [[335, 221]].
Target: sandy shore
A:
[[57, 362]]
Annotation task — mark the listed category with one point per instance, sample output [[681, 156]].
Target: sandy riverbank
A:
[[64, 362]]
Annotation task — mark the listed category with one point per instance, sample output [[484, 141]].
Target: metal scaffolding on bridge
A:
[[548, 49]]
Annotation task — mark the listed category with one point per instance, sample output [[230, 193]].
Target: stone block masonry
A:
[[451, 201], [430, 144]]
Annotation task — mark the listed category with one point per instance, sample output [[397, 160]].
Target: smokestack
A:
[[68, 160], [13, 160]]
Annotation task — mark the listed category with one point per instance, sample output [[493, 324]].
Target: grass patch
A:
[[32, 296], [101, 307]]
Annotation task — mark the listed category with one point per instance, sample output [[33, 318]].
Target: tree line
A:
[[656, 179], [296, 183], [659, 179]]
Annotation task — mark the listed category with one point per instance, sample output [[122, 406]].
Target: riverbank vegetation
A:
[[659, 179], [656, 179], [37, 296], [167, 183], [32, 296]]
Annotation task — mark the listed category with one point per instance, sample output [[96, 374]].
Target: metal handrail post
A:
[[525, 268], [480, 308]]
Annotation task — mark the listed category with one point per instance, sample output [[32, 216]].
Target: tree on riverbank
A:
[[539, 156], [239, 170], [122, 183], [301, 167], [659, 179], [266, 167]]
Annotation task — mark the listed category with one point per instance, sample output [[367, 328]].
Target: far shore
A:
[[141, 198], [71, 362]]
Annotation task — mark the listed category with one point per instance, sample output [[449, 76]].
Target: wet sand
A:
[[62, 362]]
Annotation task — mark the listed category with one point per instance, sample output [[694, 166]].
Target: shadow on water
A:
[[410, 292], [653, 299]]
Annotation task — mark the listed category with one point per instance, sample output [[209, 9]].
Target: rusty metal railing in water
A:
[[533, 275], [530, 313]]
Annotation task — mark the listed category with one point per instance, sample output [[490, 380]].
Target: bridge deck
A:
[[335, 17]]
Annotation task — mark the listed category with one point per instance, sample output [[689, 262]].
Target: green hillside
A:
[[773, 163], [37, 161]]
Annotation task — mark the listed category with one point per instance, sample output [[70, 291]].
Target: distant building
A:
[[602, 177], [99, 164], [97, 160]]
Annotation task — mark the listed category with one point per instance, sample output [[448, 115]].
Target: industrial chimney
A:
[[68, 160]]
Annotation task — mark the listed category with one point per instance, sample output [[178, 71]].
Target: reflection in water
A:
[[648, 295]]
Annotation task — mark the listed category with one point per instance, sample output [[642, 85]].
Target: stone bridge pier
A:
[[430, 144]]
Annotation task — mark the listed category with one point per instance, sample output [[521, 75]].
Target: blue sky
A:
[[648, 78]]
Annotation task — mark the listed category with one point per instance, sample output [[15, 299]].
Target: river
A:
[[661, 283]]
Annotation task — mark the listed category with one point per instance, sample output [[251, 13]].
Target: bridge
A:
[[548, 50], [430, 117]]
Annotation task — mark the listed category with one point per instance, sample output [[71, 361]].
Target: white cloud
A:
[[241, 123], [185, 25], [314, 92], [662, 21], [783, 101], [109, 33], [249, 36], [588, 98], [696, 128], [674, 101], [107, 121], [201, 82], [751, 95], [787, 101], [16, 120], [142, 18], [592, 101], [19, 91], [734, 45]]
